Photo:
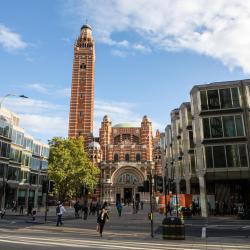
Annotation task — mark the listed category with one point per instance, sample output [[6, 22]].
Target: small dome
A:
[[94, 145], [86, 26], [106, 119]]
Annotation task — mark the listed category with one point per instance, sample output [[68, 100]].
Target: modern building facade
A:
[[23, 163], [214, 145]]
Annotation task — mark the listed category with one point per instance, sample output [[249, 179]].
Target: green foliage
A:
[[70, 167]]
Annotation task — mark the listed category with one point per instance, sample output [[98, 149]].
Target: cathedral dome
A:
[[86, 26], [126, 125], [94, 145]]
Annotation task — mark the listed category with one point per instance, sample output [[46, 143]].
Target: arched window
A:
[[126, 157], [138, 157], [116, 157]]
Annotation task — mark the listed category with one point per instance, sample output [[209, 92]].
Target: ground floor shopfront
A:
[[22, 195]]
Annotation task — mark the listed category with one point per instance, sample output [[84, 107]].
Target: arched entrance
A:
[[125, 182]]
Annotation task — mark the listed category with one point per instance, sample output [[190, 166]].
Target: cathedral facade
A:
[[127, 154]]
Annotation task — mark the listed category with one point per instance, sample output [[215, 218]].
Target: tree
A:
[[70, 167]]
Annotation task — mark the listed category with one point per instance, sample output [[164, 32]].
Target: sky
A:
[[149, 54]]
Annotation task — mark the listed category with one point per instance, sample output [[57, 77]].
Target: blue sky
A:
[[149, 54]]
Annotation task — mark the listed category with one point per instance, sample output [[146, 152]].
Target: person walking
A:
[[119, 208], [102, 218], [59, 212]]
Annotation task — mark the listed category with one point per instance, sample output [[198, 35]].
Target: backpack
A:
[[57, 209]]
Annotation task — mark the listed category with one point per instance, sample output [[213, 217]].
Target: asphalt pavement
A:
[[130, 231]]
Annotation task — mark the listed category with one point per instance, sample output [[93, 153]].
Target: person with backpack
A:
[[59, 212], [102, 218]]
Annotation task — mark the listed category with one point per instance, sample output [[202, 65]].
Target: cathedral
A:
[[126, 153]]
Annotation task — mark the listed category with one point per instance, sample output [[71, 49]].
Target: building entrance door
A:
[[128, 195]]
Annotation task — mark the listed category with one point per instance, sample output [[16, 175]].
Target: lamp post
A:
[[5, 174], [8, 95]]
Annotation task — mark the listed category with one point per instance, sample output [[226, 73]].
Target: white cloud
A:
[[10, 40], [48, 89], [219, 29], [119, 53], [143, 49], [41, 88], [45, 126]]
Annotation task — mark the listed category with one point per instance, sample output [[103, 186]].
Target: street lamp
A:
[[5, 174], [8, 95]]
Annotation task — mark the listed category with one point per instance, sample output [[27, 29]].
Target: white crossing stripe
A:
[[100, 243]]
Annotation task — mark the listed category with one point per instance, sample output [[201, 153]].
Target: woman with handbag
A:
[[103, 216]]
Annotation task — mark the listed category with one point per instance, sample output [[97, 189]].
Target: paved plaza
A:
[[131, 231]]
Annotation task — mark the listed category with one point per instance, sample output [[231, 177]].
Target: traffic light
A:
[[51, 186], [159, 184], [45, 186]]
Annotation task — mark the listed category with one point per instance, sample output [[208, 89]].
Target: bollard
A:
[[203, 232]]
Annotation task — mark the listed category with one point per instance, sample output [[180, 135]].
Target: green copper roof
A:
[[126, 125]]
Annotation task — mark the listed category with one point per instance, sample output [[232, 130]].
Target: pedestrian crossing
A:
[[102, 243]]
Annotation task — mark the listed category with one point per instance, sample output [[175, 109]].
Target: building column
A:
[[177, 182], [36, 197], [188, 187], [27, 197], [203, 196]]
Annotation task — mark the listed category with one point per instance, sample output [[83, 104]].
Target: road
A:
[[131, 231]]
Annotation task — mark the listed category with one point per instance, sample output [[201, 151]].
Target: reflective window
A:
[[239, 125], [35, 163], [17, 137], [225, 98], [229, 127], [203, 95], [33, 178], [44, 165], [13, 173], [219, 157], [235, 96], [219, 99], [36, 149], [232, 156], [213, 99], [216, 127], [209, 157], [206, 128], [28, 143], [243, 155], [15, 155], [5, 129], [4, 149], [2, 167]]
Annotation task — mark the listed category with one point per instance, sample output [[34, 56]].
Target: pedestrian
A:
[[34, 215], [2, 213], [119, 208], [98, 208], [21, 210], [102, 218], [29, 212], [59, 212], [77, 208], [141, 205], [85, 211]]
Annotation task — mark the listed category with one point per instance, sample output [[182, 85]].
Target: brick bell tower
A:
[[82, 91]]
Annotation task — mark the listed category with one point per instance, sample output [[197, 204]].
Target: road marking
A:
[[112, 244]]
